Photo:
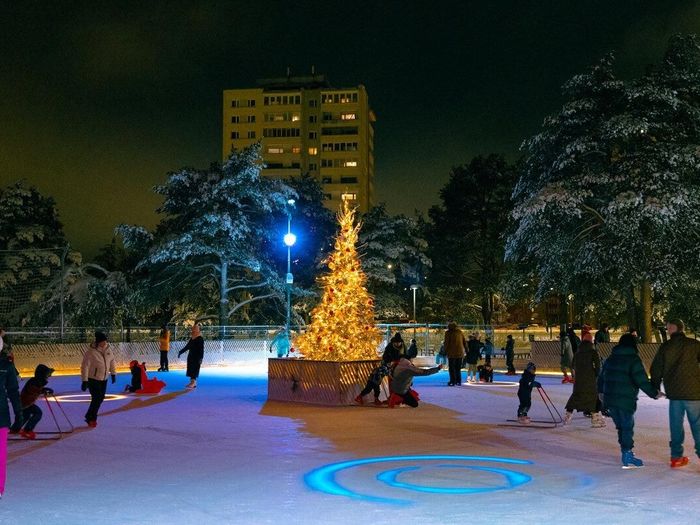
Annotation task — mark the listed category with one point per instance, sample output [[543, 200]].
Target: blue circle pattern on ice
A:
[[324, 478]]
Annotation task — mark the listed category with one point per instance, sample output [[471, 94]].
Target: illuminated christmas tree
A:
[[342, 325]]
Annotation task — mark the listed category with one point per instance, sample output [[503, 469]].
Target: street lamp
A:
[[289, 240], [414, 287]]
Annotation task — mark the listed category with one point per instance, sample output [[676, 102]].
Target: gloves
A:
[[47, 391], [114, 378], [84, 386]]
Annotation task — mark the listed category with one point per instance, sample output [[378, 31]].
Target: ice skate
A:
[[28, 434], [597, 420], [629, 461], [192, 384], [679, 462], [567, 417], [524, 420], [91, 424]]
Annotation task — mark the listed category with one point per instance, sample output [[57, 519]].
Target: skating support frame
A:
[[49, 435], [540, 423]]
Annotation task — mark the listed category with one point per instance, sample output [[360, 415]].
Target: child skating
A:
[[527, 383], [31, 413]]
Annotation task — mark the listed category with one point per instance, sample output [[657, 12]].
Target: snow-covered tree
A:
[[609, 193], [32, 246], [213, 235], [393, 258]]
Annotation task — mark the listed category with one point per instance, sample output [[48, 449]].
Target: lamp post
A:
[[414, 287], [289, 240]]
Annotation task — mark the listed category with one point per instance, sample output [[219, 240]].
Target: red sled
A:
[[147, 386]]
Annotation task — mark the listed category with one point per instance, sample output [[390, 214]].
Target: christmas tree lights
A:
[[342, 325]]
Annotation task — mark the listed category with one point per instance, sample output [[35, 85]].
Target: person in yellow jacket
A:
[[164, 342]]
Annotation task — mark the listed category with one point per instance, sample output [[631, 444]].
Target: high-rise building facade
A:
[[306, 126]]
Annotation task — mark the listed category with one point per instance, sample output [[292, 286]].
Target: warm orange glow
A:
[[342, 327]]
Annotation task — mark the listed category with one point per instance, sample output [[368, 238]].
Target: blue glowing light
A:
[[323, 478], [290, 239]]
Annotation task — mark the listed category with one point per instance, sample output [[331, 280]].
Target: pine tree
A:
[[342, 327]]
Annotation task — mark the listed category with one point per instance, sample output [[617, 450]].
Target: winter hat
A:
[[43, 372], [397, 338], [587, 337], [99, 337], [531, 366]]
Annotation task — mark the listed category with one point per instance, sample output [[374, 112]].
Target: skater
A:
[[622, 376], [676, 364], [281, 344], [602, 335], [527, 383], [403, 375], [97, 366], [9, 390], [164, 344], [394, 349], [584, 398], [573, 339], [473, 355], [140, 383], [510, 355], [441, 357], [412, 350], [31, 413], [454, 348], [486, 371], [195, 347], [566, 357], [488, 348], [374, 383]]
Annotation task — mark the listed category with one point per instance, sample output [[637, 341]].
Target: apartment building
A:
[[307, 126]]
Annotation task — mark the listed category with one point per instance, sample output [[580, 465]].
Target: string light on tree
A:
[[342, 327]]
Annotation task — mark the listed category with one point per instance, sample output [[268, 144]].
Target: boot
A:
[[679, 462], [597, 420], [567, 417], [629, 461], [28, 434]]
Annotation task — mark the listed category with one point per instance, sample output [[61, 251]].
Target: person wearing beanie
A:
[[31, 413], [195, 347], [584, 398], [676, 365], [395, 349], [526, 384], [98, 364], [622, 377]]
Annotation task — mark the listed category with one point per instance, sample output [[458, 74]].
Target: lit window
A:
[[295, 117], [296, 149], [348, 116], [349, 196], [275, 150], [350, 164], [313, 151]]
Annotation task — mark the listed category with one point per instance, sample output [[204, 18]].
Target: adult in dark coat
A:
[[9, 390], [584, 398], [474, 347], [195, 347], [395, 349], [510, 355], [454, 348]]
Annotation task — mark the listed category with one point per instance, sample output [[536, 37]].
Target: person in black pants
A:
[[454, 348], [510, 355], [195, 347], [97, 366]]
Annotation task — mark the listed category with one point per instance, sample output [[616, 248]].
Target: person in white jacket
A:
[[98, 365]]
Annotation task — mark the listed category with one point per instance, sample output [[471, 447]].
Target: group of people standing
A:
[[466, 353]]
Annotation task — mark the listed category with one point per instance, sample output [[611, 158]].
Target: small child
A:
[[527, 383], [31, 413], [137, 369], [402, 378], [374, 382], [486, 371]]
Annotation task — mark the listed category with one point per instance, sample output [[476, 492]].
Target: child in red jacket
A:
[[33, 388]]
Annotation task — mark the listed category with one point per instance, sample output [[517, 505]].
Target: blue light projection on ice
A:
[[323, 479]]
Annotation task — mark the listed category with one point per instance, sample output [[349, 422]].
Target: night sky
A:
[[99, 100]]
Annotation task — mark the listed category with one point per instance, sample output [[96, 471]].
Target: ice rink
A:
[[223, 454]]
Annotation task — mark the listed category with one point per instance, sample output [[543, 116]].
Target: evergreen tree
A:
[[215, 234], [342, 327]]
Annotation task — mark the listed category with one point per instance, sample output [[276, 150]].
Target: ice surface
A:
[[223, 454]]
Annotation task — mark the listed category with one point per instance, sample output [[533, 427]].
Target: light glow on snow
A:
[[86, 398]]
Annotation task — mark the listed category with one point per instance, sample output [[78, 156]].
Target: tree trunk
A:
[[563, 313], [223, 295], [645, 300]]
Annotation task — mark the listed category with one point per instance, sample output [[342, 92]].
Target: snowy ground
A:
[[223, 454]]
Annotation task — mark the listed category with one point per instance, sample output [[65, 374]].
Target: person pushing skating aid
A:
[[527, 383], [31, 413]]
